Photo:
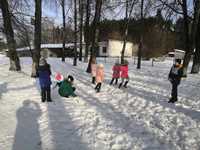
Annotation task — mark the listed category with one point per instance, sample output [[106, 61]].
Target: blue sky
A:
[[53, 13]]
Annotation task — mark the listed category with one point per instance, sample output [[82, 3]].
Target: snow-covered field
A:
[[137, 118]]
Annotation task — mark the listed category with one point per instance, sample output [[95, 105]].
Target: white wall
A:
[[115, 48], [101, 45]]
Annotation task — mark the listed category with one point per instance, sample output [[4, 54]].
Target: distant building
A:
[[113, 48], [109, 48], [47, 50]]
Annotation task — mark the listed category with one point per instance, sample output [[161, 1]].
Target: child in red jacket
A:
[[116, 73], [124, 74]]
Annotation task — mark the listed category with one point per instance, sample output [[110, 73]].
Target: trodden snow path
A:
[[135, 118]]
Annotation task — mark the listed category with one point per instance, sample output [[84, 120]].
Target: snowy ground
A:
[[137, 118]]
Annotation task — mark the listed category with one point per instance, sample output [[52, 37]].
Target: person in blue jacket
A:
[[44, 73]]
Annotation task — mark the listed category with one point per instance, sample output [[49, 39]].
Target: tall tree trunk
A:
[[64, 29], [140, 53], [87, 25], [196, 59], [75, 32], [127, 20], [37, 36], [14, 59], [196, 38], [141, 37], [188, 49], [81, 29], [95, 33]]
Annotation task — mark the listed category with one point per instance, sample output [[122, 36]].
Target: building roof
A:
[[47, 46]]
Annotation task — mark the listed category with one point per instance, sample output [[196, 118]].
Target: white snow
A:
[[136, 118]]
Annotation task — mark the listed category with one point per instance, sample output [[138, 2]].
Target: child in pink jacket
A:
[[124, 74], [93, 70], [116, 73], [99, 77]]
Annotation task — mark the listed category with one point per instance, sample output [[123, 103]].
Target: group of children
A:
[[66, 88], [65, 85], [119, 71]]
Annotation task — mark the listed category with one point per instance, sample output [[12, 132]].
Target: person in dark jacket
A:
[[44, 73], [66, 88], [174, 77]]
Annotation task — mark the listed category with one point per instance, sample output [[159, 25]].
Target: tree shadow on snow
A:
[[27, 134], [3, 89], [61, 127], [147, 95], [21, 88], [163, 101], [158, 98], [121, 123], [63, 130]]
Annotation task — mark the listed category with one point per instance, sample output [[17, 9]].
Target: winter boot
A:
[[120, 85], [48, 94], [93, 80], [172, 100], [125, 85], [43, 95], [111, 82], [98, 87], [116, 81]]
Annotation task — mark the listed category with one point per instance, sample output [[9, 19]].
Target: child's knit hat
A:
[[59, 77]]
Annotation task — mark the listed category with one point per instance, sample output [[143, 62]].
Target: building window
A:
[[104, 49]]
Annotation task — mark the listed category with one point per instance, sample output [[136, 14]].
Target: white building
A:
[[113, 48], [109, 48]]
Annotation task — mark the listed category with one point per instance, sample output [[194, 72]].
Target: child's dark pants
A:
[[98, 87], [125, 84], [174, 91], [116, 81], [46, 93], [93, 80]]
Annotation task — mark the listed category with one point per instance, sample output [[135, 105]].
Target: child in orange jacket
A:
[[99, 77]]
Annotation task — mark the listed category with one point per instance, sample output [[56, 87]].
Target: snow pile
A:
[[115, 119]]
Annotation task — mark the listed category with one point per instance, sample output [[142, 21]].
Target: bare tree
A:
[[23, 32], [37, 36], [196, 59], [8, 30], [87, 24], [190, 33], [196, 37], [141, 36], [81, 29], [64, 28], [127, 20], [187, 37], [75, 32], [95, 33]]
